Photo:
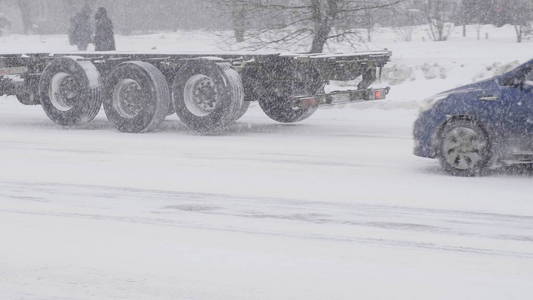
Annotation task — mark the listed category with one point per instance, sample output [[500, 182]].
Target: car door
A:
[[518, 120]]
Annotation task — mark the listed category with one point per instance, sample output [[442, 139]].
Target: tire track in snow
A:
[[383, 225]]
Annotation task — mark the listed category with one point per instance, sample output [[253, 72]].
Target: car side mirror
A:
[[521, 83], [511, 81], [517, 82]]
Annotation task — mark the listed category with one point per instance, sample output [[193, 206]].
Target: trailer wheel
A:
[[243, 110], [28, 98], [70, 91], [281, 109], [237, 85], [208, 96], [274, 95], [137, 97]]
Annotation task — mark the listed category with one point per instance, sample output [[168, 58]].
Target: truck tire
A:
[[28, 98], [237, 86], [208, 95], [280, 109], [28, 94], [243, 110], [274, 95], [137, 97], [70, 91]]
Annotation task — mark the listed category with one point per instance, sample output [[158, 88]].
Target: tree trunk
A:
[[320, 38], [441, 31], [239, 22], [25, 15], [519, 35], [239, 35], [323, 15], [369, 23]]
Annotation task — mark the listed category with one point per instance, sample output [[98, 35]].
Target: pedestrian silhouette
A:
[[80, 29], [104, 39]]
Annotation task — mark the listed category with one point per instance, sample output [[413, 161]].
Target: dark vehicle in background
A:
[[480, 126]]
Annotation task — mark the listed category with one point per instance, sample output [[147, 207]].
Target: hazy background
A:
[[141, 16]]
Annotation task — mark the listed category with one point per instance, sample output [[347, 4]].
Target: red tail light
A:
[[308, 102], [378, 94]]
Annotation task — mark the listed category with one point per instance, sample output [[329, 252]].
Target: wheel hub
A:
[[127, 98], [200, 95], [64, 91], [463, 148]]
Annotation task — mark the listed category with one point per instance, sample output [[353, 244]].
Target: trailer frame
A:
[[289, 87]]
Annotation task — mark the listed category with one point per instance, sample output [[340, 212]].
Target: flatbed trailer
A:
[[208, 91]]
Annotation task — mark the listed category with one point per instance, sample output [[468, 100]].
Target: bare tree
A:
[[369, 20], [4, 22], [238, 12], [520, 12], [299, 20], [25, 12], [239, 17], [515, 12], [473, 12], [439, 15], [404, 18], [327, 14], [477, 12]]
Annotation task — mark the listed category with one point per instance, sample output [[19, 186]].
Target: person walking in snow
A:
[[104, 39], [80, 29]]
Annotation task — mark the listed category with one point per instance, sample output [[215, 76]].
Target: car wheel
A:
[[464, 148]]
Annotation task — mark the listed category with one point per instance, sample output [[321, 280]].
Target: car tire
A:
[[464, 148]]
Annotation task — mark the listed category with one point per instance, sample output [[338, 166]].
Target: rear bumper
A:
[[341, 97]]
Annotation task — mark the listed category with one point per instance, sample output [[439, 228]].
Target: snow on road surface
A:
[[333, 208], [336, 207]]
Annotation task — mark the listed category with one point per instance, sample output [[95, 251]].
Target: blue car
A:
[[479, 126]]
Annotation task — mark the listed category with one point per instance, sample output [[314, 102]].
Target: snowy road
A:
[[333, 208]]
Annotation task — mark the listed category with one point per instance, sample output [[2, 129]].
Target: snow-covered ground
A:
[[336, 207]]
